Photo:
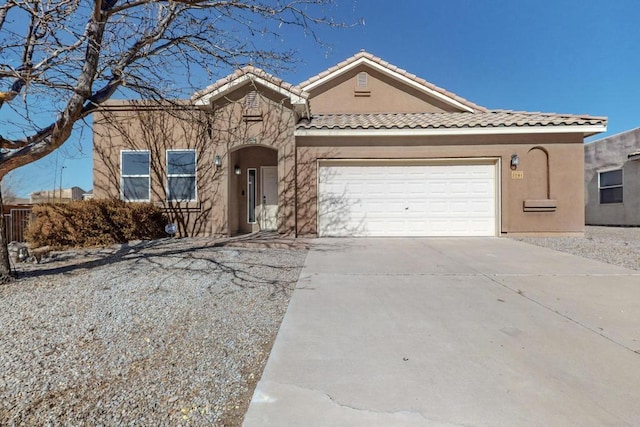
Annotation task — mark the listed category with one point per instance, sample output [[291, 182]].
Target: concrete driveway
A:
[[478, 331]]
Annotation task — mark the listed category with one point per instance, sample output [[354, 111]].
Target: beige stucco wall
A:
[[608, 154], [385, 95], [251, 139], [227, 130], [125, 126], [221, 206], [562, 183]]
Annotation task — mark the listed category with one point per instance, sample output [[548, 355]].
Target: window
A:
[[181, 175], [610, 186], [134, 170], [251, 196]]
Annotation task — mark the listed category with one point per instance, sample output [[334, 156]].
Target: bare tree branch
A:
[[62, 59]]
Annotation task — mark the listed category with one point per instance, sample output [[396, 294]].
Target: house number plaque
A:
[[517, 174]]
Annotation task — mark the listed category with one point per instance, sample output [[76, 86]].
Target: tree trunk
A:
[[6, 274]]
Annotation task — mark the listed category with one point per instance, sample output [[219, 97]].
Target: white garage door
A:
[[407, 200]]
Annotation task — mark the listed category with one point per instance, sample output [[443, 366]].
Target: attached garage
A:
[[396, 198]]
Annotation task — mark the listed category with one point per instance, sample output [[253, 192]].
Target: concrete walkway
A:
[[472, 332]]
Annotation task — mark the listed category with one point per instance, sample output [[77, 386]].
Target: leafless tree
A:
[[59, 60], [9, 188]]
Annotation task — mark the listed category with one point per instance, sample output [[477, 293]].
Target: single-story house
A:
[[59, 195], [362, 149], [612, 180]]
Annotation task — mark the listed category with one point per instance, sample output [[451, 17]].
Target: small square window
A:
[[610, 186]]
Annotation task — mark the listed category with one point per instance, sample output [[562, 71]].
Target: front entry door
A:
[[268, 209]]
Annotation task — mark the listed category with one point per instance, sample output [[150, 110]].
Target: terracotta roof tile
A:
[[487, 119], [253, 71], [393, 68]]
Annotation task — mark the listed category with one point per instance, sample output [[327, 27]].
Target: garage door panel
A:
[[433, 200], [458, 189]]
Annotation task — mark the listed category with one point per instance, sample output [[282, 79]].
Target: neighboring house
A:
[[88, 195], [15, 200], [612, 180], [361, 149], [61, 195]]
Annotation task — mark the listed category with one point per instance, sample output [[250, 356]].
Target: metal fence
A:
[[17, 221]]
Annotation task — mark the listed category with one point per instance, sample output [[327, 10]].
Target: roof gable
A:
[[412, 81], [255, 76]]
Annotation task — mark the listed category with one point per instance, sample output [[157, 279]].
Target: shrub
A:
[[94, 223]]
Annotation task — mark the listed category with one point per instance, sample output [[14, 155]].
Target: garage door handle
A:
[[407, 208]]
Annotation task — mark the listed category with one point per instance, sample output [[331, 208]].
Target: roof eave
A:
[[585, 130]]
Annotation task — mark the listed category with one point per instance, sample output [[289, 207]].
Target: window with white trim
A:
[[181, 175], [610, 186], [135, 185]]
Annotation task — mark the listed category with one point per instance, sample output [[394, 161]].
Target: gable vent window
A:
[[252, 101], [362, 85], [363, 80], [252, 112], [610, 186]]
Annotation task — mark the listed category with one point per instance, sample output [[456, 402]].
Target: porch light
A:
[[515, 161], [237, 170], [217, 161]]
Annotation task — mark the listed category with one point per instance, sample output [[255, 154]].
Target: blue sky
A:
[[565, 56]]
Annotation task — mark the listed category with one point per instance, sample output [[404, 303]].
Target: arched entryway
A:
[[253, 189]]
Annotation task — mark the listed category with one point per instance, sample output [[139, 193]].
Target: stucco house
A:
[[362, 149], [612, 180]]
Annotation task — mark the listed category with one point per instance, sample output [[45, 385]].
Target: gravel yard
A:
[[613, 245], [171, 332]]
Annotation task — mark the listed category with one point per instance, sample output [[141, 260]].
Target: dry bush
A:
[[94, 223]]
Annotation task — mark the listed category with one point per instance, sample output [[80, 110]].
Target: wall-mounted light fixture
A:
[[515, 161], [237, 170], [217, 161]]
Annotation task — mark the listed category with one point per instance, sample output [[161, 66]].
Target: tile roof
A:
[[366, 55], [250, 70], [487, 119]]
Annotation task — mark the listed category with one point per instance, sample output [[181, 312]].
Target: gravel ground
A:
[[171, 332], [613, 245]]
